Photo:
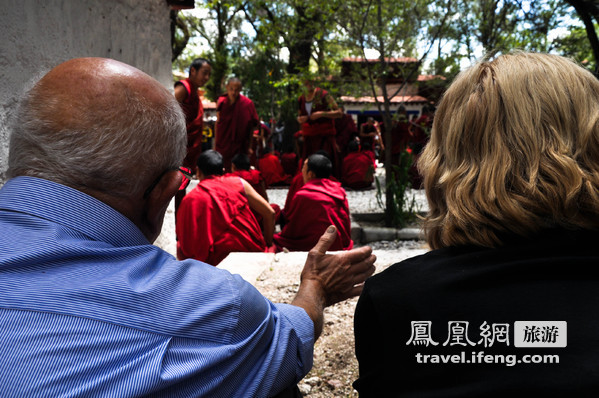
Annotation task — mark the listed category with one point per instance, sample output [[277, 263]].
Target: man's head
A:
[[199, 72], [514, 148], [233, 87], [353, 146], [316, 166], [309, 84], [210, 163], [88, 122], [241, 161], [402, 114]]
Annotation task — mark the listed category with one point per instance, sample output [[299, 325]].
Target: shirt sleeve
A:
[[254, 348], [274, 342]]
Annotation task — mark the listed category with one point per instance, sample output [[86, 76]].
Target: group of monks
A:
[[229, 211]]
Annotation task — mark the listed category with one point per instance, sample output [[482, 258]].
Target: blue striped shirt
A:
[[89, 308]]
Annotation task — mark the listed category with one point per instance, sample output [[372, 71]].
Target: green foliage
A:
[[576, 45], [272, 45], [399, 209], [261, 72]]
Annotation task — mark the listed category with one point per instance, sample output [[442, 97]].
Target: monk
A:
[[296, 183], [419, 134], [241, 167], [400, 135], [216, 217], [319, 203], [236, 119], [186, 93], [316, 115], [369, 132], [357, 170], [346, 131], [272, 170], [290, 161], [261, 138]]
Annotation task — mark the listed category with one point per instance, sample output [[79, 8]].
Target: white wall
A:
[[36, 35]]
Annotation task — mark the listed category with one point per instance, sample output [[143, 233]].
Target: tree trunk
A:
[[585, 13]]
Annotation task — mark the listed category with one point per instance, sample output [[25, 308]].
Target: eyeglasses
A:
[[187, 175]]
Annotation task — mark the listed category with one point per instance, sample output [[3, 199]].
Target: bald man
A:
[[236, 118], [89, 307]]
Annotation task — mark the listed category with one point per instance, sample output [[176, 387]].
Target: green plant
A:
[[402, 210]]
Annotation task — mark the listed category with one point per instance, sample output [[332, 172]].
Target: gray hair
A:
[[117, 150]]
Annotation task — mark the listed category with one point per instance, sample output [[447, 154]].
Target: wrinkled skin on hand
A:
[[340, 275]]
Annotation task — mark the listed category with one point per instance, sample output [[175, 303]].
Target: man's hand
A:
[[330, 278], [340, 275]]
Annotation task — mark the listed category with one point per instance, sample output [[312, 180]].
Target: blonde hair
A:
[[514, 149]]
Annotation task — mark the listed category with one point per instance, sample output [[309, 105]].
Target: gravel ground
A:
[[358, 201]]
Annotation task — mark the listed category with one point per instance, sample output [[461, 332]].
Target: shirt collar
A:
[[72, 208]]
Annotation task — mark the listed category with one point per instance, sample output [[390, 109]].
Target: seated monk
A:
[[367, 149], [296, 183], [216, 217], [241, 167], [320, 202], [272, 170], [357, 171], [290, 162]]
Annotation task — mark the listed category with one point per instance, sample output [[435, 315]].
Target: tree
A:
[[180, 35], [220, 28], [261, 70], [576, 45], [393, 29], [588, 12], [301, 28]]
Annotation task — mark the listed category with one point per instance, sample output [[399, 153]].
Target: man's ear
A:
[[157, 202]]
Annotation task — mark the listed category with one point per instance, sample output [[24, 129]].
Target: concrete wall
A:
[[37, 35]]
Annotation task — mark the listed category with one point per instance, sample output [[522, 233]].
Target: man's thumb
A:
[[326, 240]]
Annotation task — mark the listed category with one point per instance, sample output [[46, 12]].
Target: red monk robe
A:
[[296, 183], [318, 204], [194, 121], [234, 127], [290, 163], [254, 177], [215, 219], [272, 170], [357, 171]]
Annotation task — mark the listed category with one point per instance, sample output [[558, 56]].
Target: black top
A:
[[552, 278]]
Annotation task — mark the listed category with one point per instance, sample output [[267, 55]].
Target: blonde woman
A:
[[506, 302]]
